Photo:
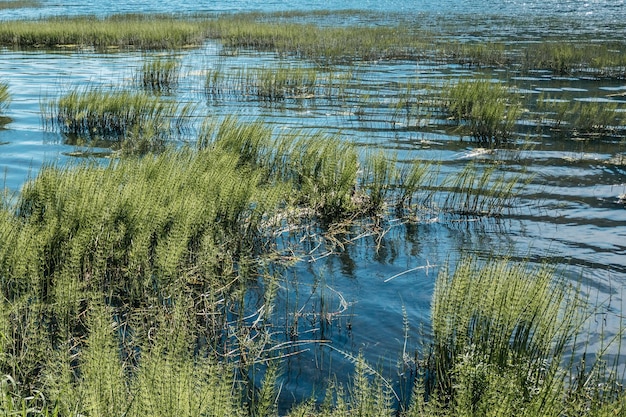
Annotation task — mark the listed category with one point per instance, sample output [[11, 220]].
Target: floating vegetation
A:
[[134, 121], [159, 74]]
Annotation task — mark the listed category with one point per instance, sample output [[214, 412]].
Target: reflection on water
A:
[[360, 299]]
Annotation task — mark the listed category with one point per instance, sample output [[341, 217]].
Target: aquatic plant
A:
[[582, 117], [321, 168], [115, 116], [488, 110], [127, 31], [564, 56], [266, 84], [502, 331], [379, 176], [159, 74], [481, 190], [314, 42]]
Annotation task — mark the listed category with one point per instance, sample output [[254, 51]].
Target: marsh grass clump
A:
[[315, 42], [487, 111], [159, 74], [138, 236], [116, 115], [502, 331], [127, 31], [321, 168], [483, 190], [270, 84], [603, 59], [583, 117]]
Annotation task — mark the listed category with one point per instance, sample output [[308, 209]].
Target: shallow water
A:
[[569, 214]]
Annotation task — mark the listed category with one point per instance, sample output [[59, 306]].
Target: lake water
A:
[[569, 214]]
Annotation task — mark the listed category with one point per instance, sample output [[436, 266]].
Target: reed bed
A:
[[602, 59], [129, 31], [340, 44], [310, 41], [286, 35]]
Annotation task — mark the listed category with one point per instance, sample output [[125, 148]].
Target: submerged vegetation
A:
[[147, 284]]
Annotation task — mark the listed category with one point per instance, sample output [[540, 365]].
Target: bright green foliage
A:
[[380, 174], [172, 381], [322, 169], [103, 389], [135, 227], [500, 334]]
